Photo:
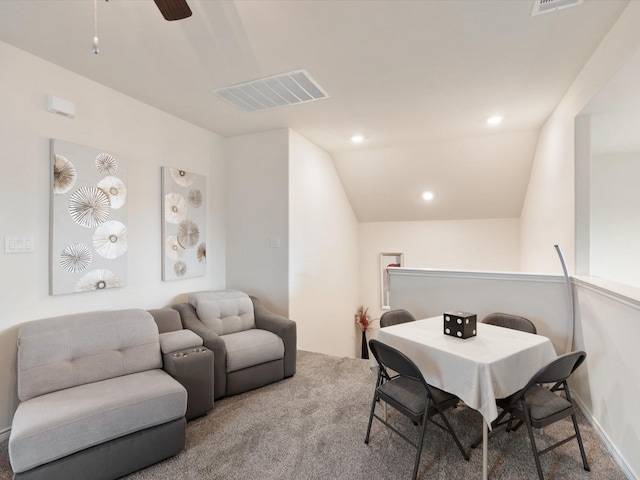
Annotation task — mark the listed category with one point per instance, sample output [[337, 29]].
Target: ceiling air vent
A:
[[272, 92], [546, 6]]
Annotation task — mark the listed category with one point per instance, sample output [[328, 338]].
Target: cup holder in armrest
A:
[[184, 354], [193, 368]]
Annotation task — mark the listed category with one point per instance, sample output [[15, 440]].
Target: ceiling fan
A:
[[173, 9], [170, 9]]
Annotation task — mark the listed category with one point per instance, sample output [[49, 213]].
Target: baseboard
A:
[[4, 434], [605, 439]]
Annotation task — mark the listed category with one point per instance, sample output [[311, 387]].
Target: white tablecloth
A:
[[494, 364]]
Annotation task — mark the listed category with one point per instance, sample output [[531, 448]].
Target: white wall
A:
[[258, 212], [323, 252], [608, 386], [458, 244], [105, 119], [282, 188], [615, 222], [548, 218], [548, 213]]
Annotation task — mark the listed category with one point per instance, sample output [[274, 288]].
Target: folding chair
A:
[[536, 406], [411, 395]]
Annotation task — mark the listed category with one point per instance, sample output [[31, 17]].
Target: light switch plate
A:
[[19, 244], [274, 242]]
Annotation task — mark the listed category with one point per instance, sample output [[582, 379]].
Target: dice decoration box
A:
[[460, 324]]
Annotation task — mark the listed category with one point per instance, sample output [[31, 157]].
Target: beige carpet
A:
[[312, 426]]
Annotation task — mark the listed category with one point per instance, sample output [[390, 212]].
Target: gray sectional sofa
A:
[[95, 402], [103, 394]]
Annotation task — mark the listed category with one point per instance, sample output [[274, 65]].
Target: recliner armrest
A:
[[211, 340], [191, 321], [179, 340], [167, 319], [282, 326]]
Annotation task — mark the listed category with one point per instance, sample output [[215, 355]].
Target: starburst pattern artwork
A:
[[188, 233], [183, 224], [110, 239], [88, 219], [175, 208], [182, 178], [201, 255], [75, 257], [64, 175], [106, 163], [180, 268], [174, 250], [89, 206], [115, 190], [97, 280], [195, 197]]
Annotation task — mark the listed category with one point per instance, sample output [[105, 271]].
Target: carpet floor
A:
[[312, 426]]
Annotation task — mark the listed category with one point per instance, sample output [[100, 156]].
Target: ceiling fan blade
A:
[[173, 9]]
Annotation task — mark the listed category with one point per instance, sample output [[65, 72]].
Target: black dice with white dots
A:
[[460, 324]]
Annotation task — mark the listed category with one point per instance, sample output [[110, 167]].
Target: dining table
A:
[[494, 363]]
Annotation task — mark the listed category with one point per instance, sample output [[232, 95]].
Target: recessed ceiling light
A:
[[495, 120], [357, 138], [427, 196]]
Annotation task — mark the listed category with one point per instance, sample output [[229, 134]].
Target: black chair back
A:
[[390, 358], [394, 317], [560, 369], [513, 322]]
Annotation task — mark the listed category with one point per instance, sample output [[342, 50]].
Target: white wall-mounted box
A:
[[61, 106]]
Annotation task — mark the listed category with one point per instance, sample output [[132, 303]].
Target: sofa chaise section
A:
[[95, 402]]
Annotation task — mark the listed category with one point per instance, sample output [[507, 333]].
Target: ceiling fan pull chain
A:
[[96, 49]]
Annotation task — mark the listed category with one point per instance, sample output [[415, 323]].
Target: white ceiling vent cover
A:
[[272, 92], [546, 6]]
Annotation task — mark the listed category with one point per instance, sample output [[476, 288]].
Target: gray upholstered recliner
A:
[[252, 346]]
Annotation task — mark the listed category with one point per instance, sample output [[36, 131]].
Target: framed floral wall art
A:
[[88, 245], [184, 247]]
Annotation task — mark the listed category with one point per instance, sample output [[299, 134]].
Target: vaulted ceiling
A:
[[417, 78]]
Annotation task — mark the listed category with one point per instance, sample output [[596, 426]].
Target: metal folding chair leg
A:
[[579, 438], [418, 446], [533, 444], [449, 428], [420, 443], [373, 407]]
